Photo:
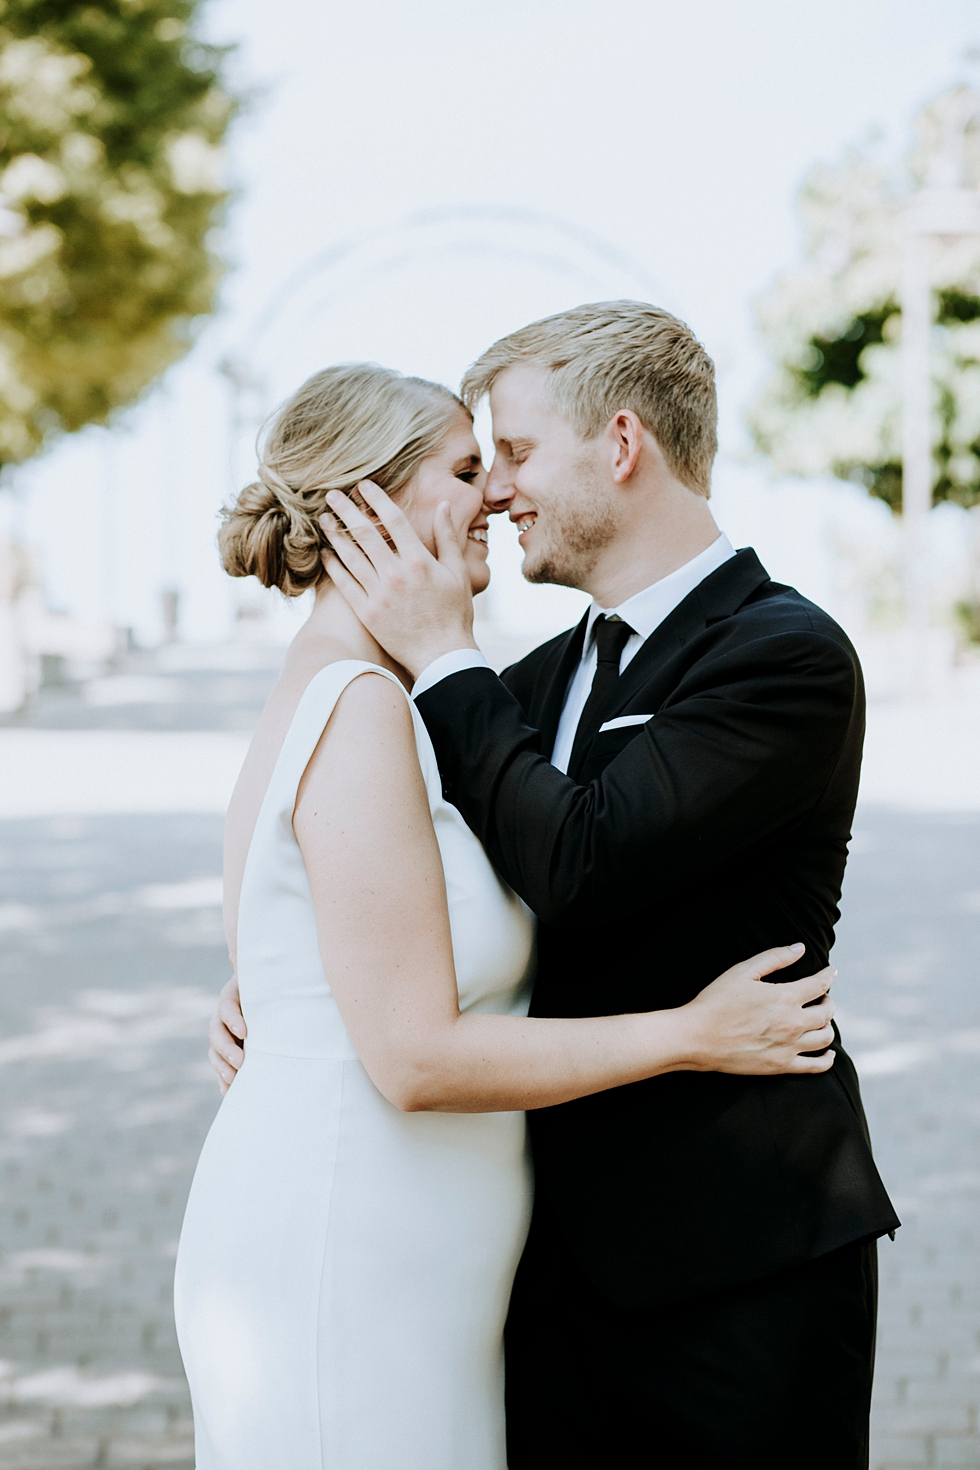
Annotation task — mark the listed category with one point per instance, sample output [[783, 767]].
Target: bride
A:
[[361, 1201]]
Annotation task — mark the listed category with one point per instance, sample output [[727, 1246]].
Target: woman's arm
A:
[[363, 825]]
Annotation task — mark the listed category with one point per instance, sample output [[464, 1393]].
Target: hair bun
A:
[[252, 539]]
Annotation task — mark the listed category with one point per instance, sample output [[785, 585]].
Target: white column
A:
[[946, 210], [917, 467]]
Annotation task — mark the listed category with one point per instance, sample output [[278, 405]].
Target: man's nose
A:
[[497, 493]]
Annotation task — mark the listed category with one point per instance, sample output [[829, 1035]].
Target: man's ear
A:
[[626, 436]]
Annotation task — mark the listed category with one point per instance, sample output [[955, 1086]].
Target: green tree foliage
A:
[[111, 120], [833, 327]]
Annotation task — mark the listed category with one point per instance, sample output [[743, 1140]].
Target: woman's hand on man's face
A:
[[418, 606]]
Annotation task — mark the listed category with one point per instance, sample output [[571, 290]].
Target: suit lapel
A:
[[717, 597], [683, 624], [549, 694]]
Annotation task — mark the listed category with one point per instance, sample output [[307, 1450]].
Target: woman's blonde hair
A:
[[356, 421]]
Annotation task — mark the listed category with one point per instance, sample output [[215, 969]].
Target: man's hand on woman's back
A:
[[226, 1034]]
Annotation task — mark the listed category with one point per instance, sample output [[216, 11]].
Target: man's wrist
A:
[[447, 661]]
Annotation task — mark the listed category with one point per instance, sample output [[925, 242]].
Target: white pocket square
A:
[[623, 721]]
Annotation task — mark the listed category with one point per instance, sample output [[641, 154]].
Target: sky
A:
[[678, 133], [556, 152]]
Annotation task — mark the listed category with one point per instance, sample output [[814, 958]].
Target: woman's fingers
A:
[[764, 1029], [810, 1066], [817, 1038], [364, 531], [345, 583], [768, 961], [800, 992], [448, 550], [813, 986], [392, 517], [811, 1017], [360, 564]]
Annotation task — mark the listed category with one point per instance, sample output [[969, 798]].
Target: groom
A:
[[670, 787]]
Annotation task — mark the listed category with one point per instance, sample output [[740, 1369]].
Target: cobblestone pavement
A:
[[909, 992], [110, 956]]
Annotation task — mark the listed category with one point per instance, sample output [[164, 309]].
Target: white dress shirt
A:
[[644, 612]]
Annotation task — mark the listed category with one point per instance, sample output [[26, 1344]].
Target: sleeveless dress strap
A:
[[317, 704]]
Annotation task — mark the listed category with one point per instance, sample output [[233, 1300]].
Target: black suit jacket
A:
[[715, 830]]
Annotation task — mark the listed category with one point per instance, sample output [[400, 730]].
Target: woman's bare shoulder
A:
[[366, 778], [374, 703], [370, 729]]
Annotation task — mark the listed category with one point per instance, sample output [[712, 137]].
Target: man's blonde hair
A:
[[612, 355]]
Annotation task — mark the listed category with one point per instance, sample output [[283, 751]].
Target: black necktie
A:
[[611, 637]]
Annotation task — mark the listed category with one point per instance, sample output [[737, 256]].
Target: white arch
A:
[[594, 269], [546, 241]]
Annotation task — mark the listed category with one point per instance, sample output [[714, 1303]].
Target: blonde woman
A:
[[362, 1199]]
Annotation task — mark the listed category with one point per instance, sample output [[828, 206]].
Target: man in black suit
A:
[[670, 787]]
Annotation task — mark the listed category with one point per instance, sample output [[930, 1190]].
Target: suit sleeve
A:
[[744, 747]]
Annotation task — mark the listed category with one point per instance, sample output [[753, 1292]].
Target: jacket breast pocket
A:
[[624, 722], [605, 747]]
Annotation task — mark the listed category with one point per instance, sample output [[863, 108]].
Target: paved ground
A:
[[909, 990], [177, 687], [110, 955]]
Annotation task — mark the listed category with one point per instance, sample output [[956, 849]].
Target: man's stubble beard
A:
[[580, 528]]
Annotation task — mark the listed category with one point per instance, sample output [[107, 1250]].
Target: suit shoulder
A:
[[779, 639], [778, 609]]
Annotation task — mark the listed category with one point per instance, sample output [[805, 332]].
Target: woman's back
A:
[[345, 1267], [306, 656]]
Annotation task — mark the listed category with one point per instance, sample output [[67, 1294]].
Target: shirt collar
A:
[[646, 610]]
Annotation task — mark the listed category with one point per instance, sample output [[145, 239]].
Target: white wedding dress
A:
[[344, 1268]]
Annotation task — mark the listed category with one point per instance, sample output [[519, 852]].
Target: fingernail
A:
[[797, 948], [833, 969]]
